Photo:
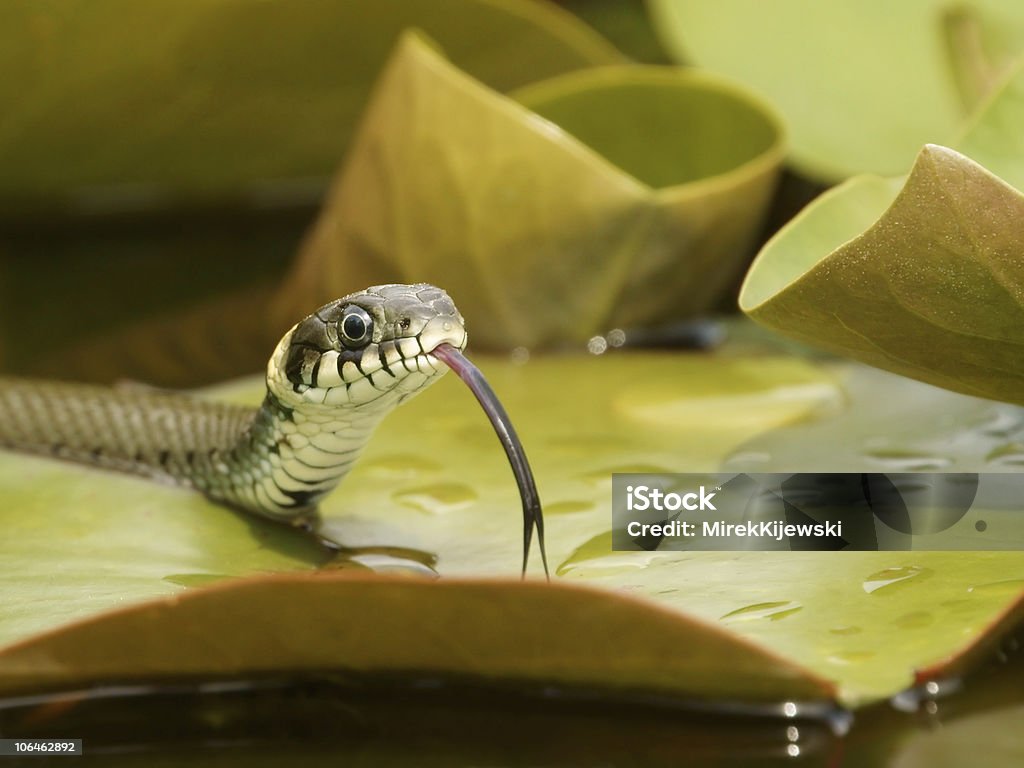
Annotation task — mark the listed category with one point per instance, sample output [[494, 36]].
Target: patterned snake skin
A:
[[330, 381]]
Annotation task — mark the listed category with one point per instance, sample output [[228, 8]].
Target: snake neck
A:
[[287, 459]]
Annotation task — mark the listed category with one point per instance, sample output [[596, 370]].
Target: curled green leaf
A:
[[932, 289], [611, 197]]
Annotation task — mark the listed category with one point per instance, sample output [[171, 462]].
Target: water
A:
[[336, 717]]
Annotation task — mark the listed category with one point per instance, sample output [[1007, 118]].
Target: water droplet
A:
[[595, 558], [748, 458], [773, 611], [393, 560], [384, 563], [1002, 424], [851, 657], [893, 579], [907, 461], [846, 630], [1004, 586], [567, 507], [604, 476], [194, 579], [438, 498], [399, 465], [914, 620], [1008, 454], [584, 444]]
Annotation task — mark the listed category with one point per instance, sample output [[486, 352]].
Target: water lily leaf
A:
[[505, 630], [433, 485], [434, 493], [620, 196], [225, 94], [995, 139], [931, 289], [862, 85]]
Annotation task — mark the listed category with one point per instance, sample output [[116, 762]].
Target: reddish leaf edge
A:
[[592, 637], [1002, 636]]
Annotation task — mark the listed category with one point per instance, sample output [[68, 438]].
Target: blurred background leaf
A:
[[613, 197], [193, 98], [862, 85], [161, 158]]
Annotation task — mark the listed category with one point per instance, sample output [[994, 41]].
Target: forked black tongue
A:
[[532, 514]]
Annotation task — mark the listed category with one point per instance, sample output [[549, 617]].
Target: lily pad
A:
[[862, 85], [614, 196], [433, 485], [931, 290], [434, 492], [919, 275]]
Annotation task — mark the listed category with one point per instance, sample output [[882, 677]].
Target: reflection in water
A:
[[426, 720]]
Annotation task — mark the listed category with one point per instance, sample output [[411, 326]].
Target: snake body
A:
[[332, 378]]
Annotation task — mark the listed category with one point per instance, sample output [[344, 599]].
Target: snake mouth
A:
[[533, 516], [439, 343]]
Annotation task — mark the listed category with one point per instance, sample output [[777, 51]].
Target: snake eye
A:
[[355, 327]]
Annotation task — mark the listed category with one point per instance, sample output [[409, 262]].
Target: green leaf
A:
[[642, 188], [196, 137], [862, 85], [625, 23], [214, 98], [505, 630], [434, 490], [931, 290], [919, 276], [433, 484]]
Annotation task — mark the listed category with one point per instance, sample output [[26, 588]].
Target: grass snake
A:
[[332, 378]]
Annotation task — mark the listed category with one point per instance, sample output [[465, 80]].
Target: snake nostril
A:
[[405, 323]]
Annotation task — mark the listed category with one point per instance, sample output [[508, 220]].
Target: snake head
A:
[[370, 350]]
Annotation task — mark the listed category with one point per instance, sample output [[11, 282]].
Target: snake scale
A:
[[332, 378]]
